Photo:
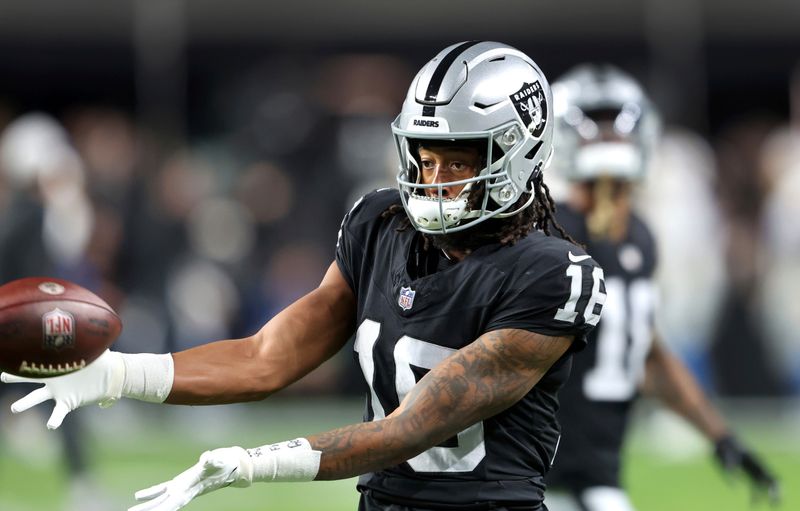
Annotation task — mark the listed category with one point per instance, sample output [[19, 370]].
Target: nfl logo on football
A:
[[59, 329], [406, 299]]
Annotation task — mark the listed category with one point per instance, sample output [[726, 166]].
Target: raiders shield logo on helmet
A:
[[531, 106]]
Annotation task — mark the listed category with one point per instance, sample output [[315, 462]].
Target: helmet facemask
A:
[[436, 214]]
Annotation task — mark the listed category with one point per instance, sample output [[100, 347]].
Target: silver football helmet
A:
[[605, 124], [475, 91]]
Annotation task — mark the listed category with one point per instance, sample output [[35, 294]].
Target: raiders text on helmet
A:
[[475, 91]]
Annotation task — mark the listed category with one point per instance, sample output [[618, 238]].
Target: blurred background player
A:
[[50, 227], [607, 131]]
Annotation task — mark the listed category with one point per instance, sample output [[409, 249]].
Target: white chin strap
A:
[[616, 159]]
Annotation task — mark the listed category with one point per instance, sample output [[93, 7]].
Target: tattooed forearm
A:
[[474, 383], [359, 448]]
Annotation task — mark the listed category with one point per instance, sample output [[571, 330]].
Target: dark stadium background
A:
[[306, 89]]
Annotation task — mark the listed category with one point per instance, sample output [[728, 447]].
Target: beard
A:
[[484, 233], [505, 231]]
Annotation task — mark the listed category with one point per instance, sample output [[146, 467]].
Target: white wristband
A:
[[148, 377], [292, 461]]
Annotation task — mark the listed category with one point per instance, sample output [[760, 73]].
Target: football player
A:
[[606, 129], [464, 310]]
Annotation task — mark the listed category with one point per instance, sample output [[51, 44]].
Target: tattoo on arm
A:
[[474, 383]]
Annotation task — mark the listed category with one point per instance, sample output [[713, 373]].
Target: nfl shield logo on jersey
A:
[[59, 329], [406, 299]]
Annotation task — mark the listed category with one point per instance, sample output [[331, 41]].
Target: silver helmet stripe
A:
[[438, 76]]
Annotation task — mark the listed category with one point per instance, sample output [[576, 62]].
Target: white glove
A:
[[294, 460], [99, 382], [216, 469], [142, 376]]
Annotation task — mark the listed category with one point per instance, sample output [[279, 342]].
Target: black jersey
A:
[[596, 401], [408, 324]]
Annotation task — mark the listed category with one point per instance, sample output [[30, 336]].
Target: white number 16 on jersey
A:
[[568, 312]]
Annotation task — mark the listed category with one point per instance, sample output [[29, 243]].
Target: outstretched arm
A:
[[289, 346], [474, 383]]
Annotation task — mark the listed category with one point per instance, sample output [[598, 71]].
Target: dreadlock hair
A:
[[546, 209], [506, 231]]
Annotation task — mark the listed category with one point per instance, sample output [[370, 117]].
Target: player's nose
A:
[[441, 176]]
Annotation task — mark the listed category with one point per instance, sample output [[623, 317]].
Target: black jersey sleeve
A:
[[348, 249], [356, 229], [560, 293]]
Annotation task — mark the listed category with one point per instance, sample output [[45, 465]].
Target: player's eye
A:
[[460, 167]]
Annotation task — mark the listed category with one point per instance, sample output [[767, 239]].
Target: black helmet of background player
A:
[[483, 93], [606, 125]]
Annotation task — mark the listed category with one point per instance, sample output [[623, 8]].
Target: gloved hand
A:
[[230, 466], [732, 456], [99, 382]]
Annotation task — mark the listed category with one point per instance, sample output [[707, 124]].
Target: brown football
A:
[[50, 327]]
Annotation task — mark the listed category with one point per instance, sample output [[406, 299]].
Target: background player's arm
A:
[[289, 346], [474, 383], [669, 380]]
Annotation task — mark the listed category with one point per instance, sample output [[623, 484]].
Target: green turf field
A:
[[135, 445]]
